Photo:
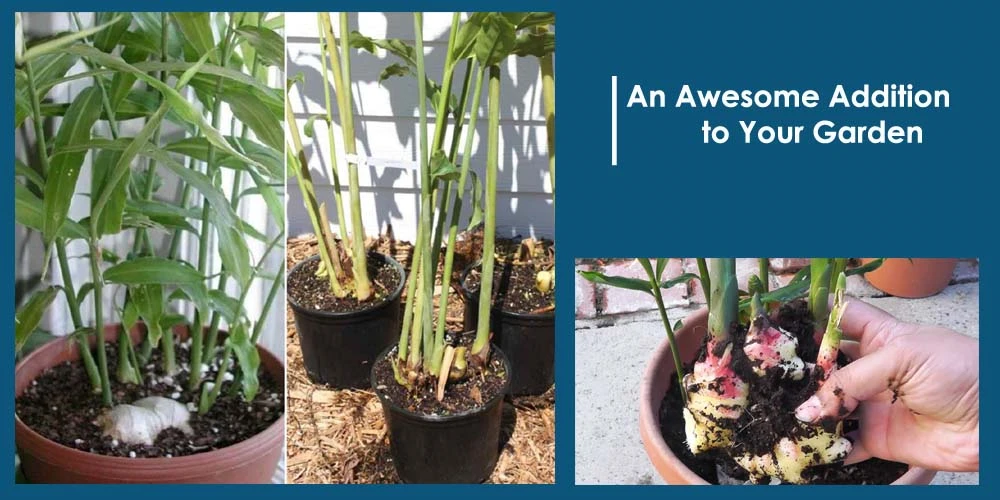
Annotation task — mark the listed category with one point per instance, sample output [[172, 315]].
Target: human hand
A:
[[913, 388]]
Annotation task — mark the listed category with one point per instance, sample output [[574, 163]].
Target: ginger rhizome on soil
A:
[[718, 396], [141, 421], [767, 346]]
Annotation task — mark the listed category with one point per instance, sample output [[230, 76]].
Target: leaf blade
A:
[[249, 360], [29, 316], [197, 29], [248, 110], [109, 221], [152, 271], [616, 281], [234, 253], [54, 45], [269, 46], [177, 102], [64, 170], [684, 278], [116, 176], [106, 40], [148, 303], [28, 212]]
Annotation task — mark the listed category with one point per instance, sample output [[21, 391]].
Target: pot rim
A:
[[454, 417], [340, 315], [649, 423], [235, 454], [469, 294]]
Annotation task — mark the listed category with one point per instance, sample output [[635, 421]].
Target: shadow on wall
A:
[[523, 205]]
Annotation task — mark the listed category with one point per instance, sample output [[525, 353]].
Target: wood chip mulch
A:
[[339, 436]]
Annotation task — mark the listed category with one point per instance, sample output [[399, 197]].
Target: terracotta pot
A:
[[45, 461], [912, 278], [655, 383]]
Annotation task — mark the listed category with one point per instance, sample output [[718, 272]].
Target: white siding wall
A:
[[386, 127]]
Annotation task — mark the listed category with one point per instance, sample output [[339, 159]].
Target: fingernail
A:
[[809, 411]]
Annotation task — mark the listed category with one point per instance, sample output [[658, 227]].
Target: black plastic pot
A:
[[339, 348], [433, 449], [528, 340]]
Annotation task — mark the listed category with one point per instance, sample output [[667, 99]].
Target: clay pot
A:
[[912, 278], [45, 461], [655, 383]]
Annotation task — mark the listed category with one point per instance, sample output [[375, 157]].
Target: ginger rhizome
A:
[[768, 346], [141, 421], [717, 396], [810, 444], [791, 456]]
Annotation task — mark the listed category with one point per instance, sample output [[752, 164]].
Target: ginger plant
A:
[[345, 272], [142, 66], [716, 395], [652, 286], [427, 355], [545, 278]]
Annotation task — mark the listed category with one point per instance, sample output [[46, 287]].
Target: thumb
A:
[[848, 386]]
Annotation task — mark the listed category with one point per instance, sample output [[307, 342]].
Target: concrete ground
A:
[[610, 361]]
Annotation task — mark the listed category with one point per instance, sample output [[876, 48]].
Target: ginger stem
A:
[[724, 305], [827, 357], [819, 289]]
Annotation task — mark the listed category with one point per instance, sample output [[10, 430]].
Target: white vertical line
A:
[[614, 121]]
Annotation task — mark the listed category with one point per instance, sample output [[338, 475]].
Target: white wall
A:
[[30, 250], [386, 129]]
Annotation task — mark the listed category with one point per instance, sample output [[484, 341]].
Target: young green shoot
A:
[[449, 256], [547, 70], [763, 265], [826, 360], [416, 340], [440, 128], [329, 42], [480, 346], [427, 354], [654, 284], [706, 280], [342, 86], [819, 290], [329, 254]]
